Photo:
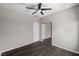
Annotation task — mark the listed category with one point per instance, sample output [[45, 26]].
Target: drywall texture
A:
[[65, 28], [16, 29]]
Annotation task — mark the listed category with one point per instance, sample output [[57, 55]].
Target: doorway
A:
[[46, 33]]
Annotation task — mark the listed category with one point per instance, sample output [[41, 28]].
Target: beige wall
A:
[[65, 28], [16, 29]]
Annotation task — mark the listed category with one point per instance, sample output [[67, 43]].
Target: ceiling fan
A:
[[39, 8]]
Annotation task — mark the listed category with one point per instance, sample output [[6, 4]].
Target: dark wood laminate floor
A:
[[39, 49]]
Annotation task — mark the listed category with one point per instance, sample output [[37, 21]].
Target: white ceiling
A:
[[20, 7]]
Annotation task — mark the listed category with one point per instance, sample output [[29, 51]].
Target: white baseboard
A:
[[65, 48]]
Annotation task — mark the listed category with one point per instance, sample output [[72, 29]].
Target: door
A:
[[36, 36]]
